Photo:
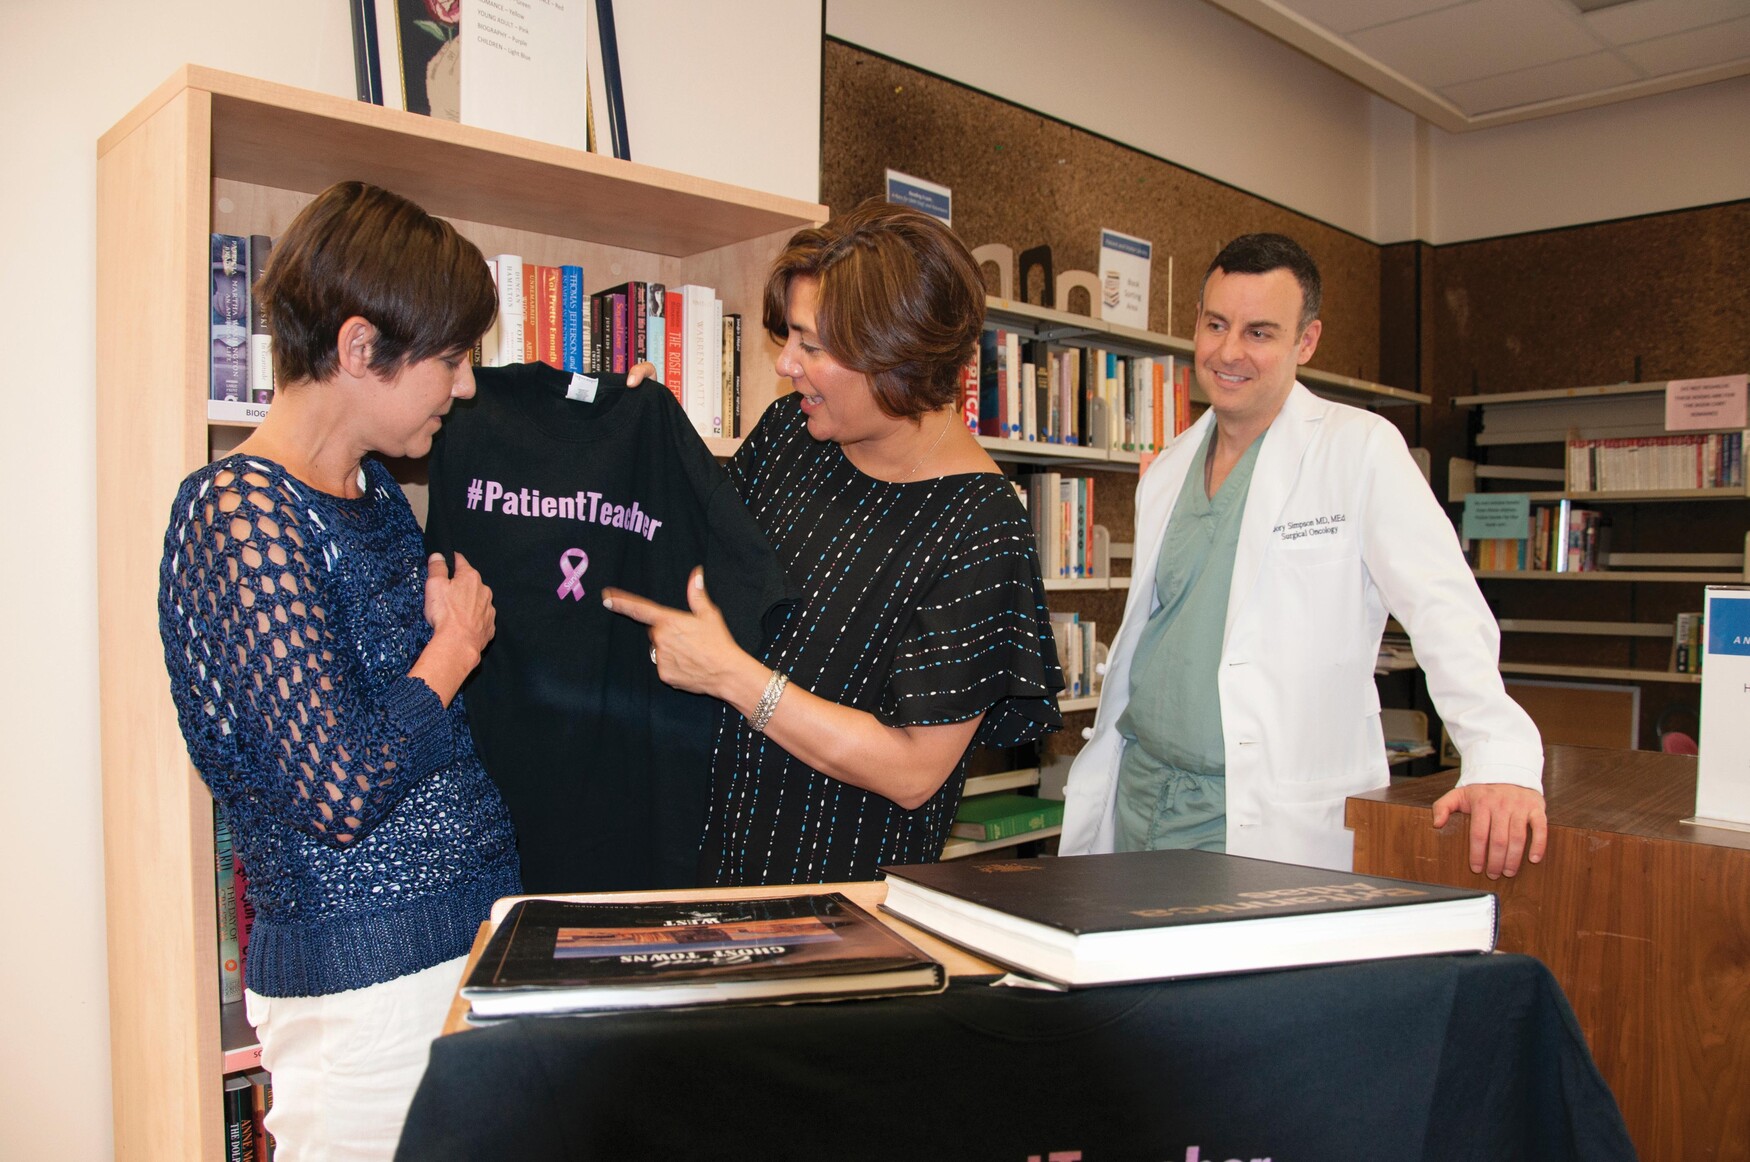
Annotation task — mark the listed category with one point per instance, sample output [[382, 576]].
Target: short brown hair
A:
[[901, 300], [361, 250]]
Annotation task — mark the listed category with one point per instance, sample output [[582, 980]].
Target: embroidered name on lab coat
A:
[[1311, 532]]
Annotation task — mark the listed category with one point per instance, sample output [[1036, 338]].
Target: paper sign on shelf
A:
[[932, 199], [1722, 777], [1492, 516], [1707, 405], [1124, 263]]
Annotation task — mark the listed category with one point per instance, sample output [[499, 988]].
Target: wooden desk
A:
[[1644, 920], [868, 896]]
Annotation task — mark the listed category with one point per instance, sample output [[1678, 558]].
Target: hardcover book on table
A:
[[1152, 915], [561, 956]]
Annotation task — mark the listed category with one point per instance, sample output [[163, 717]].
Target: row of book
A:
[[1028, 389], [1686, 643], [1062, 508], [235, 912], [1559, 538], [240, 384], [248, 1097], [1652, 463], [545, 316], [1079, 653]]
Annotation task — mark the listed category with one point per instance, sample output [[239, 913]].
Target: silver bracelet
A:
[[768, 703]]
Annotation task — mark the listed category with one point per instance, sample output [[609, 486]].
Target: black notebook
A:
[[1149, 915], [561, 956]]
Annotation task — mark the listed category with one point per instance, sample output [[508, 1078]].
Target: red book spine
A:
[[531, 312], [673, 361]]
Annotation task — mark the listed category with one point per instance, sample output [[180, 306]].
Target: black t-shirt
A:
[[604, 768]]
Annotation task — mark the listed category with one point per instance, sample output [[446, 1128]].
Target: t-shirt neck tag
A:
[[582, 389]]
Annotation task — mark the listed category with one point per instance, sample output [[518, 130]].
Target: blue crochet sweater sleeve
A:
[[268, 643]]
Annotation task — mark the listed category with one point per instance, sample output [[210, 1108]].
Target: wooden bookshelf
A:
[[210, 151]]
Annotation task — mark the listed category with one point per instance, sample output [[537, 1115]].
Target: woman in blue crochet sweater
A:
[[315, 656]]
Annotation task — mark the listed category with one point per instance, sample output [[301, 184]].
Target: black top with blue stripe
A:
[[922, 605]]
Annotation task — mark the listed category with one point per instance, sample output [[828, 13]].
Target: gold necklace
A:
[[947, 420]]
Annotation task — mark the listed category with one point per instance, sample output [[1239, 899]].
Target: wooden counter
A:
[[1644, 919]]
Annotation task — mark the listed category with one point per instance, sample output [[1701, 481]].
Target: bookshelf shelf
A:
[[1001, 781], [1076, 705], [1617, 575], [961, 848], [1605, 673], [242, 1049], [209, 151]]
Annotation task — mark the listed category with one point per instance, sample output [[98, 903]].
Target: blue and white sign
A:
[[1722, 776], [1124, 267], [932, 199]]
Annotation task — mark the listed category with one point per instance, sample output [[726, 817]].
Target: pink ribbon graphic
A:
[[572, 562]]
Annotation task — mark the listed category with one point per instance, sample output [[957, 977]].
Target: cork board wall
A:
[[1025, 180]]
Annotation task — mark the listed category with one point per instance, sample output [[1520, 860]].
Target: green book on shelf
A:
[[1005, 816]]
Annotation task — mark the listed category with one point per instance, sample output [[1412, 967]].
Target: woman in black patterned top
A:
[[922, 630]]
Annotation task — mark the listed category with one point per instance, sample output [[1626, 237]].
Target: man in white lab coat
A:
[[1272, 538]]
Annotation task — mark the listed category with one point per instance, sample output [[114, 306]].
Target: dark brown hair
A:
[[1263, 253], [901, 301], [361, 250]]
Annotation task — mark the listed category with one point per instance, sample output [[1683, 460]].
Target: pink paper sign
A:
[[1706, 405]]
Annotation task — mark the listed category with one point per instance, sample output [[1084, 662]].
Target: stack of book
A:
[[555, 956], [1005, 815]]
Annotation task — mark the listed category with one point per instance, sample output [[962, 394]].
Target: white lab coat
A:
[[1339, 528]]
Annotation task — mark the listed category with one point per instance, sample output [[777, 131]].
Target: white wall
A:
[[1194, 85], [1174, 78], [67, 72], [1666, 152]]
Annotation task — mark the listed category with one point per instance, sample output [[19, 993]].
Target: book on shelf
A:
[[674, 365], [571, 318], [510, 309], [550, 316], [699, 317], [1686, 639], [1153, 915], [531, 311], [260, 1101], [260, 337], [239, 1103], [1004, 815], [225, 899], [230, 319], [551, 956], [731, 375], [655, 324]]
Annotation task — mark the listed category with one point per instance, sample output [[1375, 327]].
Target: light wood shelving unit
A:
[[210, 151]]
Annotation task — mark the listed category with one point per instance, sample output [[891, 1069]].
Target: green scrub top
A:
[[1172, 791]]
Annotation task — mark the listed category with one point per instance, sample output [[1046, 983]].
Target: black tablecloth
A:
[[1448, 1058]]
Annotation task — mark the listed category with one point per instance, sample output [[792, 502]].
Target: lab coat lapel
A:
[[1273, 478]]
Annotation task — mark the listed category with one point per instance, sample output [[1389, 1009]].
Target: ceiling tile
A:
[[1348, 16], [1599, 70], [1645, 19], [1481, 39], [1713, 45]]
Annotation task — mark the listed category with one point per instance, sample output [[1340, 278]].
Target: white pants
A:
[[345, 1066]]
